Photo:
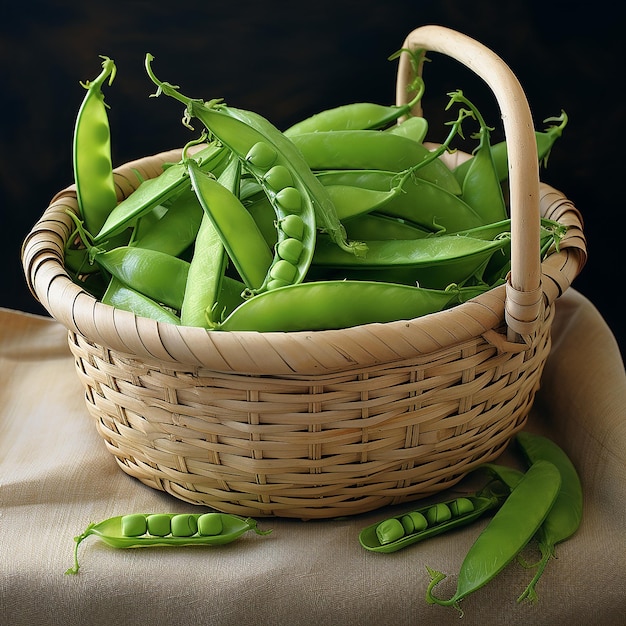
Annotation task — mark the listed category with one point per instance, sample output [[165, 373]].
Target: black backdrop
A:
[[287, 60]]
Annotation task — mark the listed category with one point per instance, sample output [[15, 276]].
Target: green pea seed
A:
[[461, 506], [275, 283], [292, 226], [413, 522], [290, 249], [279, 177], [438, 514], [184, 525], [210, 524], [283, 270], [389, 530], [159, 524], [261, 155], [134, 525], [289, 199]]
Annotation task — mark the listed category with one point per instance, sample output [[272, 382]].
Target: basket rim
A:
[[302, 352]]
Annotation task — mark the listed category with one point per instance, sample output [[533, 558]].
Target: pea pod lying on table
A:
[[164, 529], [406, 529], [565, 515], [507, 533]]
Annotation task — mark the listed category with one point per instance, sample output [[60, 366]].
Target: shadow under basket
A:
[[311, 424]]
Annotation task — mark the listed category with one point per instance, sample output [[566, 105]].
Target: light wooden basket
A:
[[327, 423]]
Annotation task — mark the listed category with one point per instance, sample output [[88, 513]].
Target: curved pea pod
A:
[[432, 262], [414, 128], [463, 511], [156, 191], [382, 227], [481, 187], [353, 116], [149, 530], [409, 196], [236, 228], [123, 297], [565, 516], [506, 534], [93, 170], [175, 229], [545, 142], [372, 150], [334, 304]]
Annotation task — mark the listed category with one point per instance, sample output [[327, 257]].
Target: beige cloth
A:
[[56, 476]]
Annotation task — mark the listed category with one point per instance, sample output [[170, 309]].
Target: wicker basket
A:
[[328, 423]]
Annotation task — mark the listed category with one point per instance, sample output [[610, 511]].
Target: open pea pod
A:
[[149, 530], [402, 529]]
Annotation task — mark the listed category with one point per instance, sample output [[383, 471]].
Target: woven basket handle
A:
[[524, 297]]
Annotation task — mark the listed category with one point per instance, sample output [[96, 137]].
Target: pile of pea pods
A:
[[345, 207]]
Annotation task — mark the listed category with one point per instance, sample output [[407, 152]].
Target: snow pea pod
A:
[[354, 116], [433, 262], [123, 297], [419, 201], [481, 187], [236, 228], [209, 261], [506, 534], [176, 229], [414, 128], [155, 191], [164, 529], [565, 516], [93, 171], [334, 304], [372, 150], [545, 142]]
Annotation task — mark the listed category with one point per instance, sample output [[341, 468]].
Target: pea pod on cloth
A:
[[164, 529], [565, 515], [507, 533], [93, 170]]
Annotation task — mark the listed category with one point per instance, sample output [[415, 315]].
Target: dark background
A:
[[287, 60]]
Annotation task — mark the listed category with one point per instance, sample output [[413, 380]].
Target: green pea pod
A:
[[545, 142], [506, 534], [481, 187], [123, 297], [372, 150], [335, 304], [93, 171], [565, 516], [176, 228], [472, 508], [377, 226], [407, 196], [155, 191], [209, 261], [354, 116], [235, 226], [414, 128], [133, 531], [432, 262]]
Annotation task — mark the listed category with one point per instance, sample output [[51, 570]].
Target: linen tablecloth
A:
[[56, 477]]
